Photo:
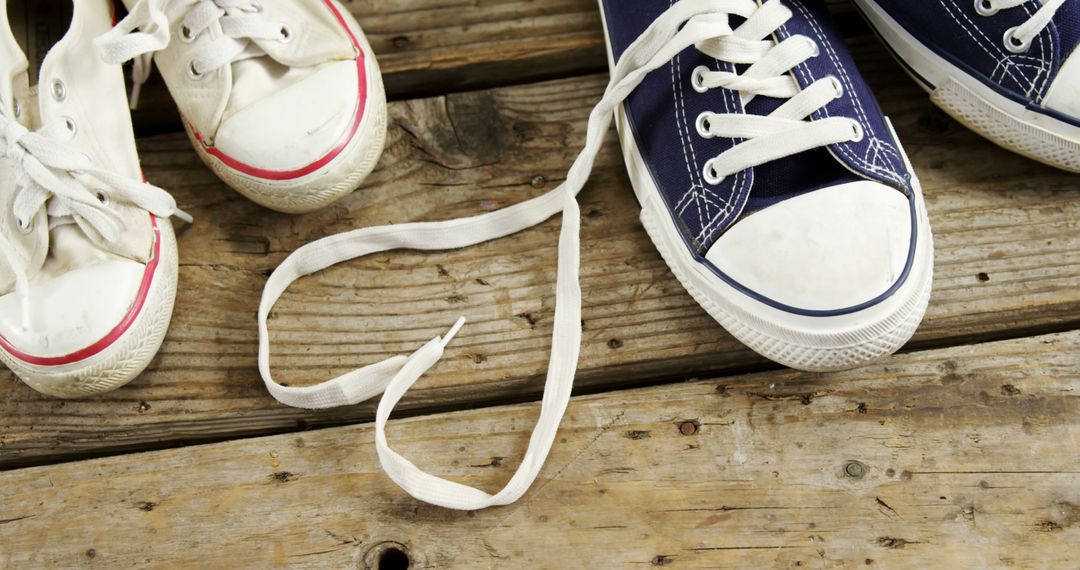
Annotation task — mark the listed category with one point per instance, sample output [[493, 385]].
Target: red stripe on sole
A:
[[361, 102], [113, 335]]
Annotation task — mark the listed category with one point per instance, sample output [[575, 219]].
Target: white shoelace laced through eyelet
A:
[[702, 125], [710, 174], [23, 226], [71, 126], [186, 35], [1013, 44], [697, 79], [985, 8], [193, 73]]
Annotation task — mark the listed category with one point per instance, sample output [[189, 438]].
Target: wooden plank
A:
[[961, 457], [1008, 264]]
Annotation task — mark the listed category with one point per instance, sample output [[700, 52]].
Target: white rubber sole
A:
[[803, 342], [978, 107], [125, 358], [335, 180]]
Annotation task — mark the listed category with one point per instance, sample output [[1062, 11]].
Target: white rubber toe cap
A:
[[297, 126], [72, 310], [1064, 94], [830, 249]]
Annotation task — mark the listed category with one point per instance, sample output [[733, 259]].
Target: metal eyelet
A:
[[985, 8], [710, 174], [103, 198], [286, 34], [58, 90], [70, 125], [813, 44], [186, 35], [1014, 45], [193, 73], [17, 108], [837, 86], [697, 79], [24, 226], [857, 129], [702, 125]]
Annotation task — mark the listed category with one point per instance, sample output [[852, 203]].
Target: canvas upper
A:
[[848, 207], [974, 36], [86, 242], [269, 87]]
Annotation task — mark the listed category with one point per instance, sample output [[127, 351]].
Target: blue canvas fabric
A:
[[663, 109], [975, 43], [1067, 21]]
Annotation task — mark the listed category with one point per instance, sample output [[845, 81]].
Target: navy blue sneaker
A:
[[772, 183], [1008, 69]]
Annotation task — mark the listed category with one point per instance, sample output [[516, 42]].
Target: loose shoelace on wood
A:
[[702, 23]]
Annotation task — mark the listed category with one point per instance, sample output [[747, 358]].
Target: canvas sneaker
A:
[[87, 254], [767, 175], [1007, 69], [281, 98], [774, 187]]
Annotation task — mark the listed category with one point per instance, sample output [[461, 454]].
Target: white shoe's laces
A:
[[147, 29], [50, 175], [780, 134], [1019, 38]]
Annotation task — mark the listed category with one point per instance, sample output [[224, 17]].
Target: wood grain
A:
[[1008, 264], [955, 458]]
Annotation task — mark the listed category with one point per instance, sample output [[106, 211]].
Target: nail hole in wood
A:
[[387, 555], [393, 558]]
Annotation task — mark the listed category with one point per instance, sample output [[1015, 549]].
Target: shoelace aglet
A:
[[186, 217], [453, 331]]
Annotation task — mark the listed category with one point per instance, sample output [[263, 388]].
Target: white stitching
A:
[[986, 41], [804, 71]]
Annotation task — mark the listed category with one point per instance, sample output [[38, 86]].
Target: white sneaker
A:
[[282, 99], [87, 254]]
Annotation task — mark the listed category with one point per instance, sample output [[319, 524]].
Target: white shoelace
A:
[[240, 20], [780, 134], [50, 175], [1025, 33]]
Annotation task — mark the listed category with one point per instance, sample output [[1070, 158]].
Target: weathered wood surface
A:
[[1008, 264], [954, 458]]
